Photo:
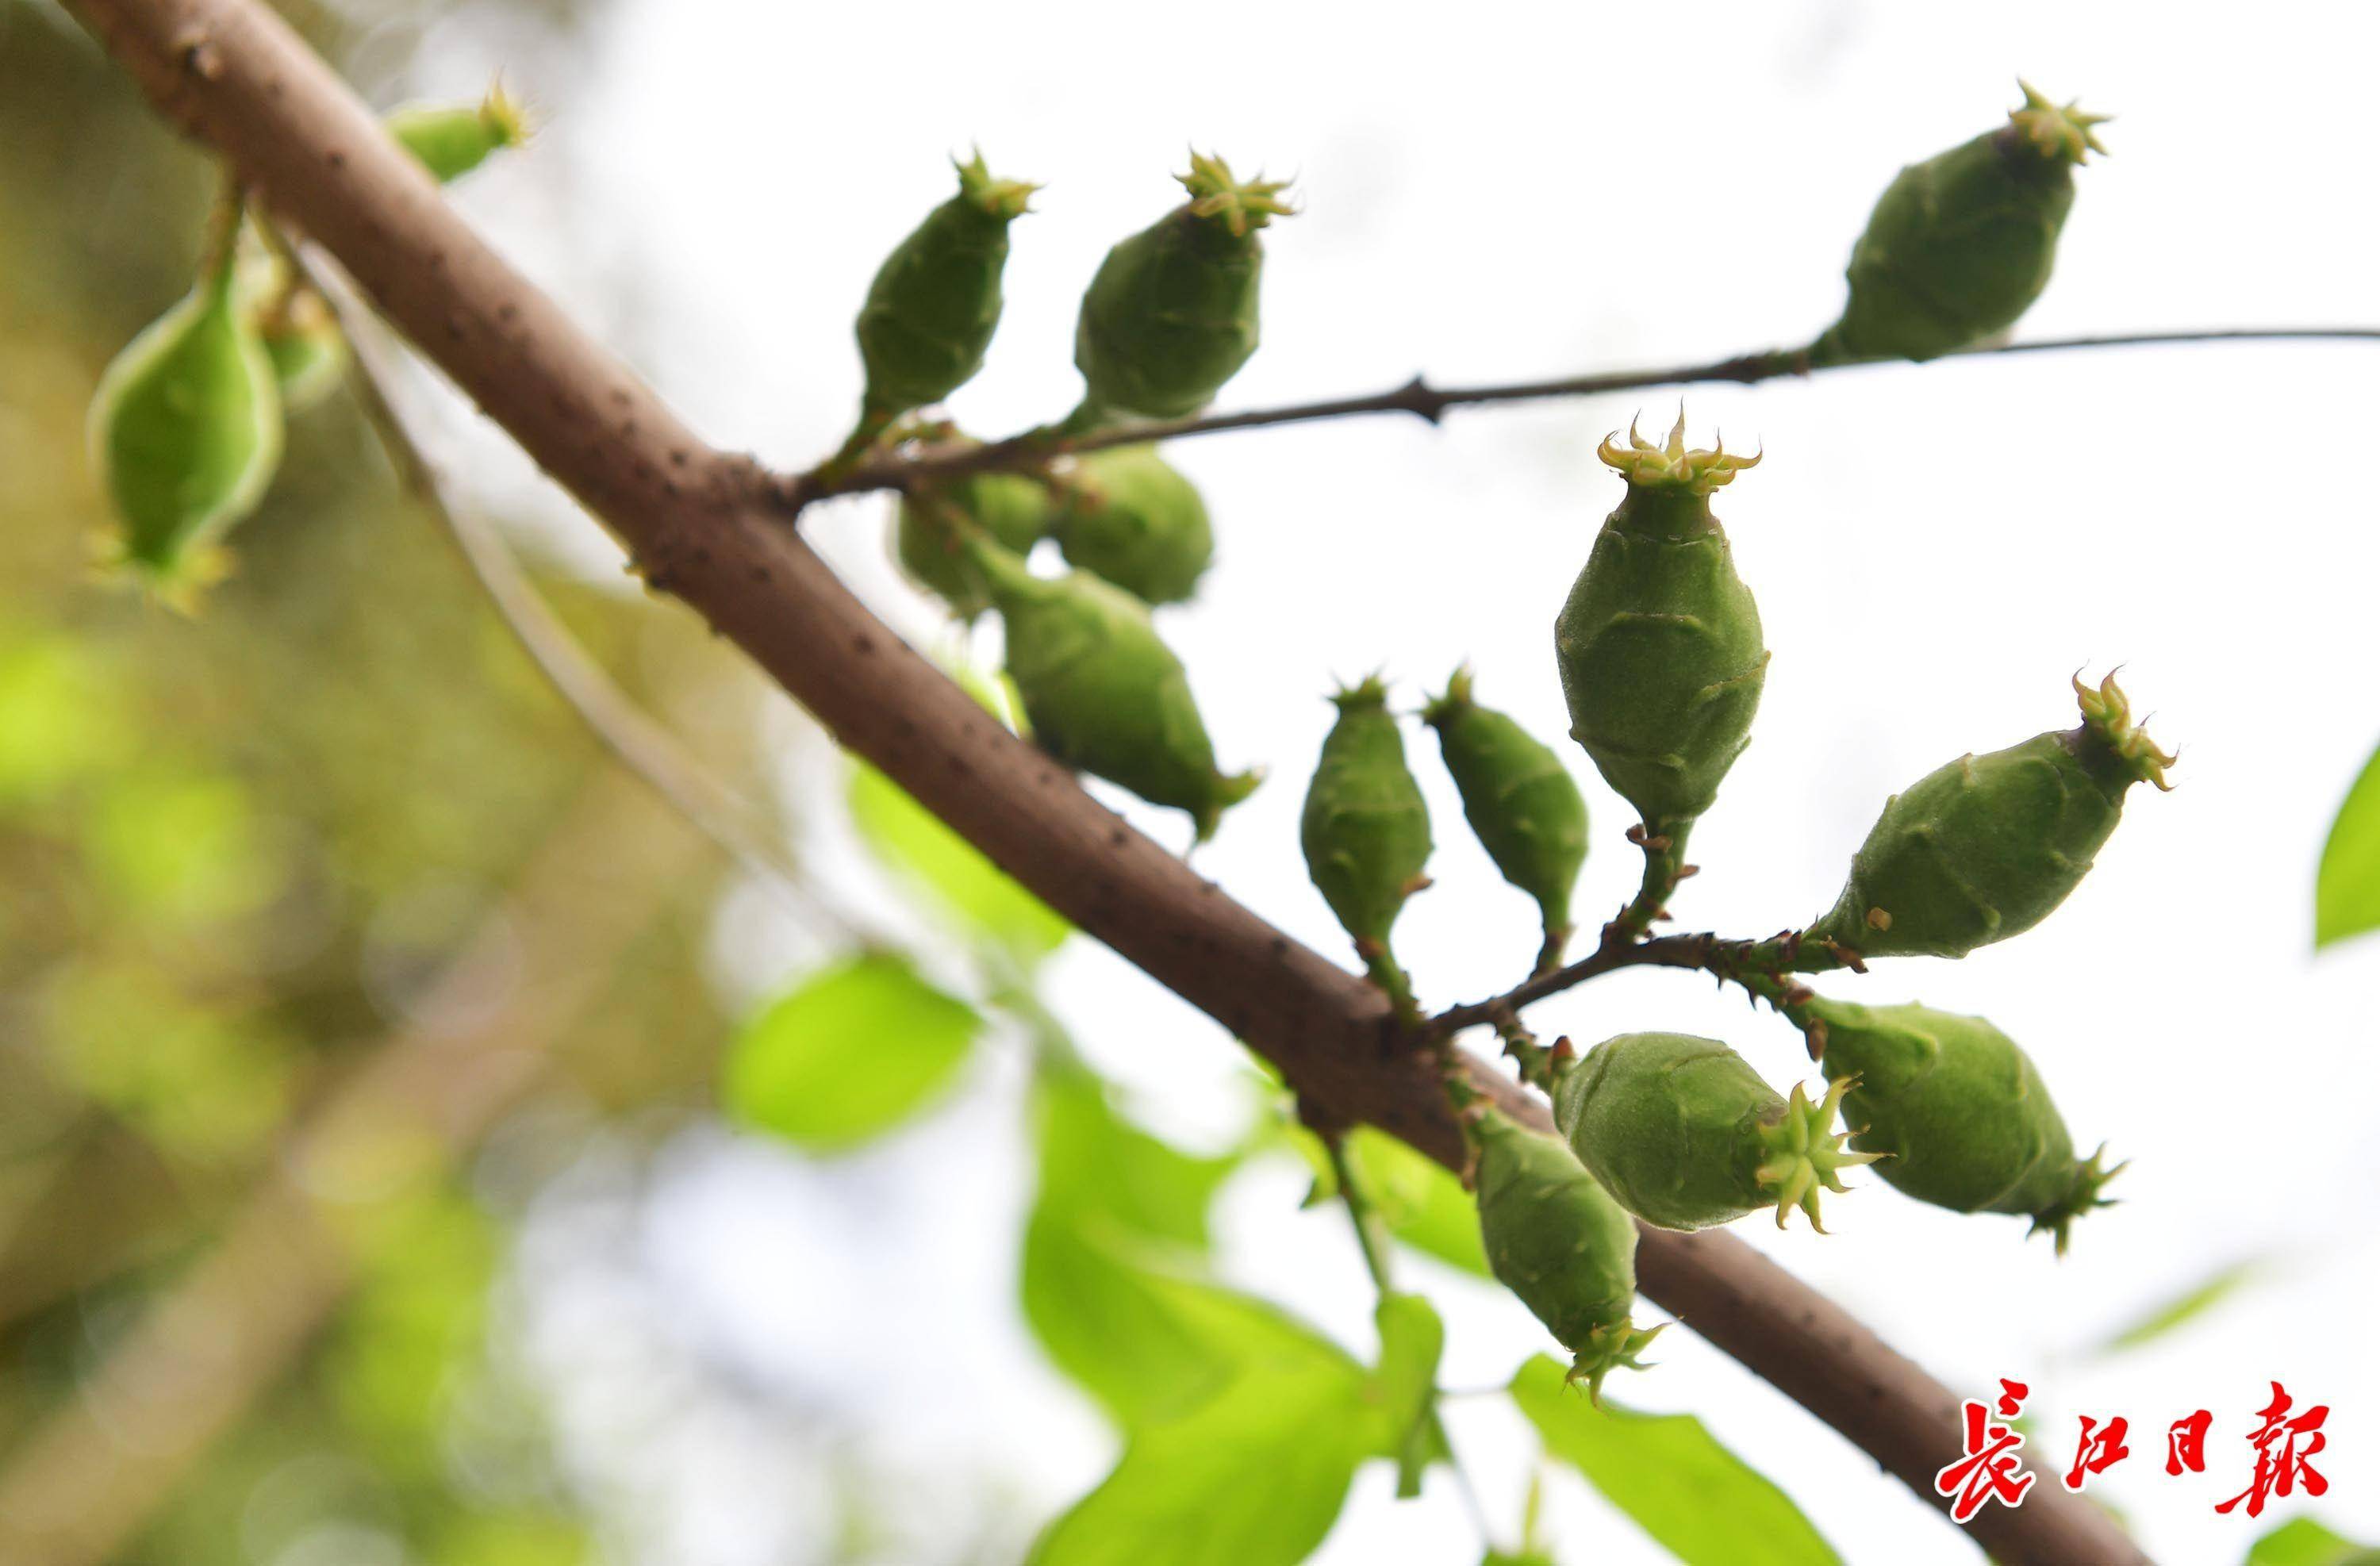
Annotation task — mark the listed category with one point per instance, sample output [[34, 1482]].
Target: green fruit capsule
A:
[[186, 431], [451, 140], [1365, 830], [1960, 245], [1958, 1112], [1558, 1239], [936, 301], [1172, 313], [1986, 846], [1128, 515], [1101, 692], [308, 350], [1659, 643], [1520, 801], [1686, 1135], [1012, 508]]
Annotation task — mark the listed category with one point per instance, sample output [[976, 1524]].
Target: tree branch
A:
[[891, 471], [707, 527]]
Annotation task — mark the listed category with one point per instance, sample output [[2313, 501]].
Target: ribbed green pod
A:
[[1521, 801], [1101, 692], [1172, 313], [1659, 643], [451, 140], [1686, 1135], [186, 430], [1957, 1111], [1128, 515], [1559, 1242], [1014, 509], [1960, 245], [1364, 828], [1984, 847], [935, 302]]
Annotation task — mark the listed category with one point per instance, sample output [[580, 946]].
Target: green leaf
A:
[[2346, 888], [1255, 1476], [2184, 1306], [2301, 1541], [1419, 1201], [847, 1054], [911, 839], [1405, 1386], [1695, 1497]]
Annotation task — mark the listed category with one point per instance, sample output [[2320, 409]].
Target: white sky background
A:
[[1499, 191]]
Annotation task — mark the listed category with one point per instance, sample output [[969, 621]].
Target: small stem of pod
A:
[[1665, 867], [1371, 1235]]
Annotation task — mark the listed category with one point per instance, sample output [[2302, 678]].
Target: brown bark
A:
[[710, 528]]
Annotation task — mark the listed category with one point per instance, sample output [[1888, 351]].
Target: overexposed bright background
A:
[[1502, 192]]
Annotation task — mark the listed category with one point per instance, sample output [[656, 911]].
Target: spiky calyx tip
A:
[[1806, 1155], [1607, 1348], [1444, 709], [1002, 198], [2063, 133], [2091, 1177], [1365, 694], [2107, 715], [1241, 205], [1670, 464], [505, 116]]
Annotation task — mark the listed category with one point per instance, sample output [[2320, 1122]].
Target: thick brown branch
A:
[[1418, 397], [706, 526]]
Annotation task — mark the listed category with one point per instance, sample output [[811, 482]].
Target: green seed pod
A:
[[936, 301], [1984, 847], [308, 350], [1659, 643], [1960, 245], [1365, 830], [1126, 515], [1014, 509], [1558, 1239], [1172, 313], [186, 431], [1101, 692], [1686, 1135], [1956, 1110], [451, 140], [1521, 803]]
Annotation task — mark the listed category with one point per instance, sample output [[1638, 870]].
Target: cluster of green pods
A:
[[1171, 313], [1659, 643], [1521, 801], [1365, 830], [1956, 1112], [1960, 245], [930, 527], [1555, 1237], [1986, 846], [934, 304], [1686, 1135], [1102, 691]]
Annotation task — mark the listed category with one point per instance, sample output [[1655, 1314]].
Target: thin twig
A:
[[1418, 397], [732, 822]]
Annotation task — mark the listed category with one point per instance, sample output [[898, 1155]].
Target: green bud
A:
[[1958, 1112], [1659, 643], [1014, 509], [1365, 830], [451, 140], [1101, 692], [1960, 245], [1128, 515], [1520, 801], [1986, 846], [936, 301], [1558, 1239], [308, 350], [186, 431], [1686, 1135], [1172, 313]]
